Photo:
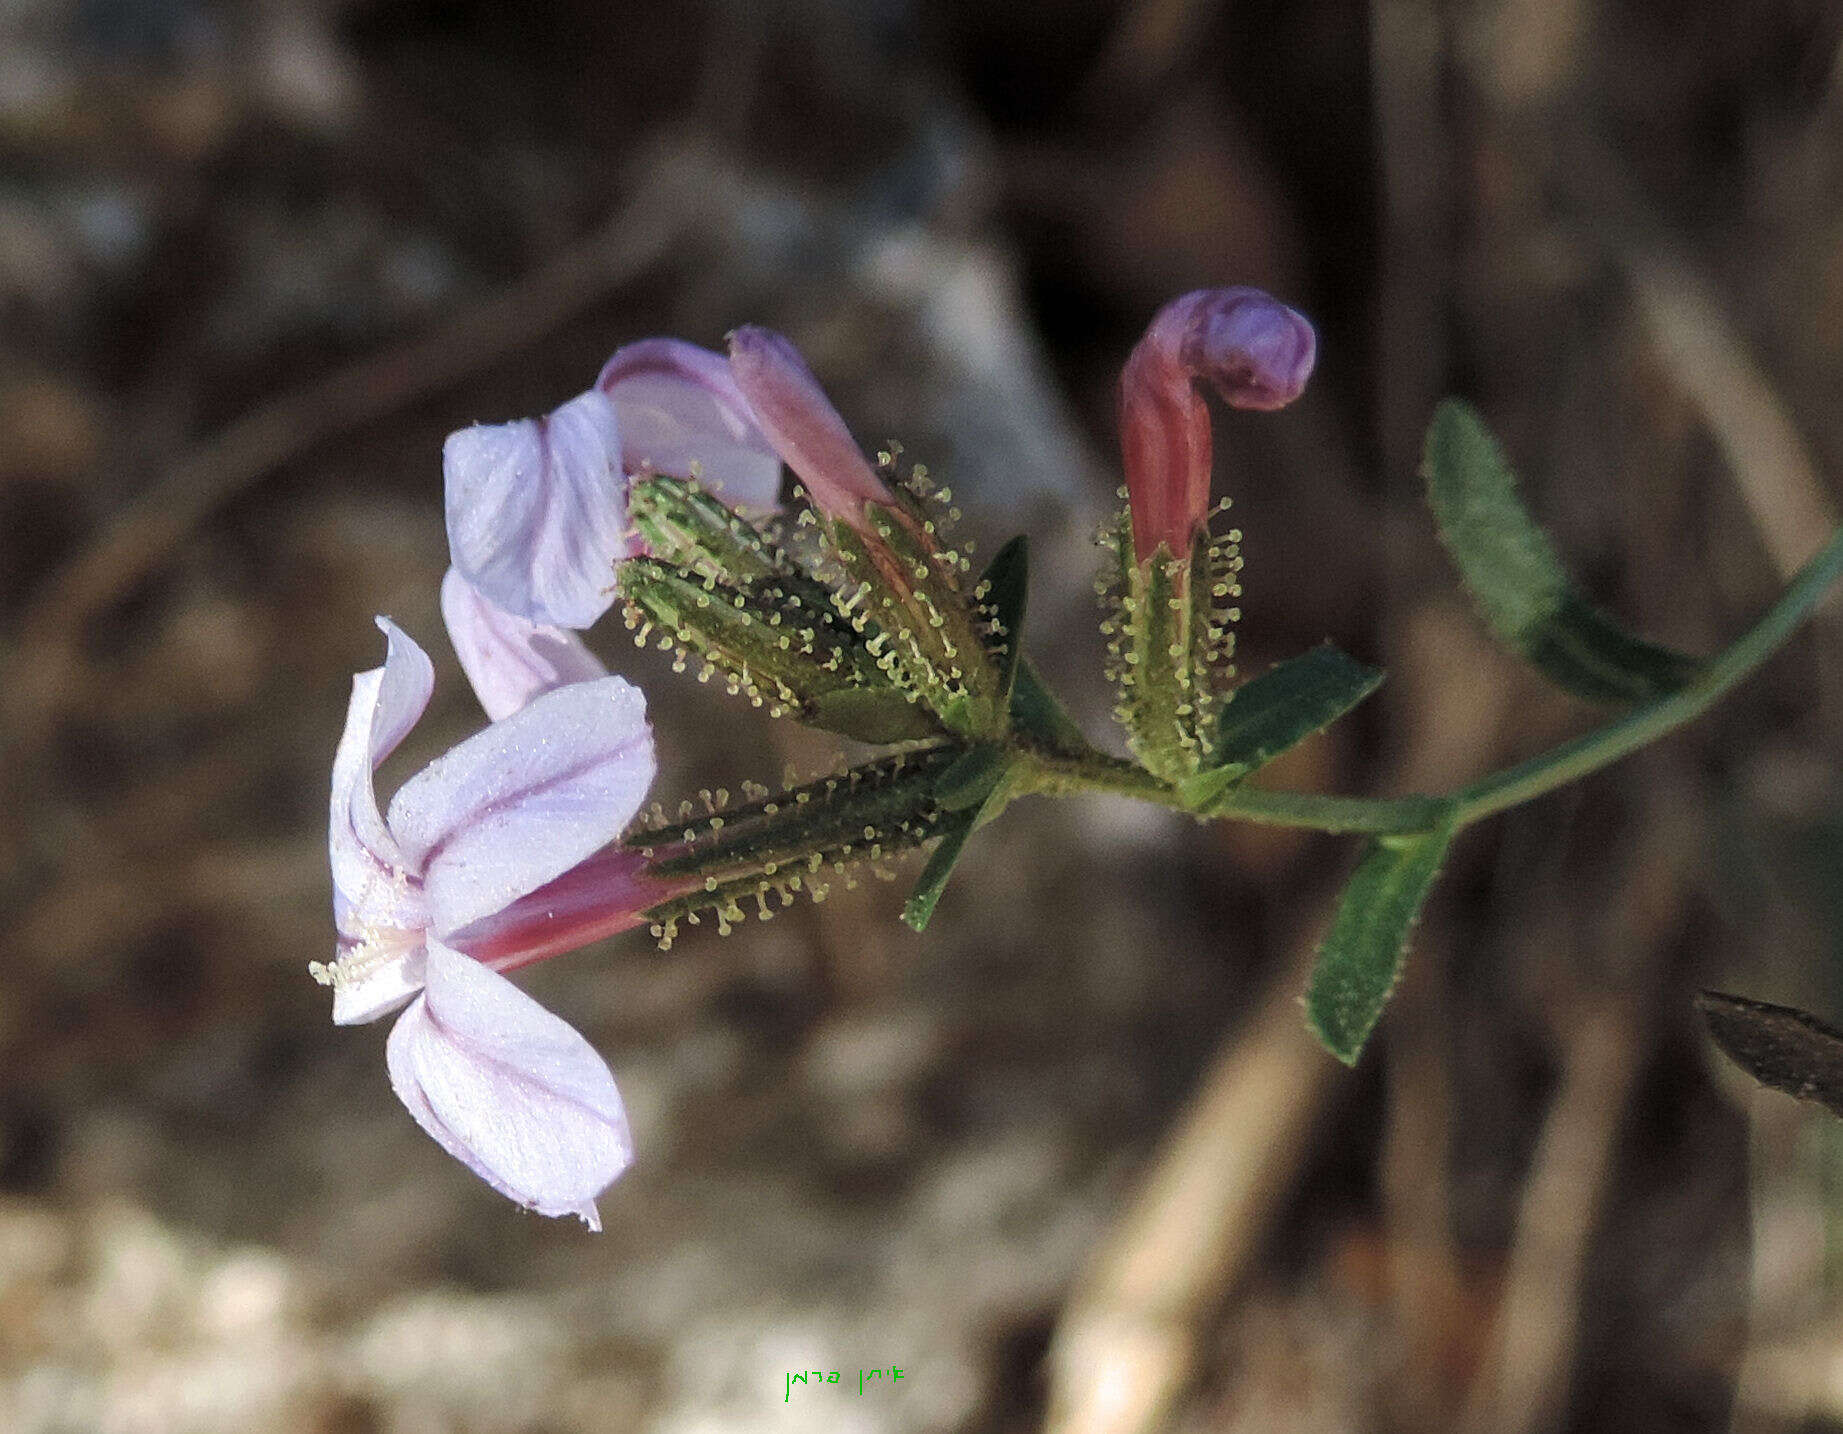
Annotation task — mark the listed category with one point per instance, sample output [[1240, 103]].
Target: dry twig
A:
[[1605, 1037], [1128, 1341]]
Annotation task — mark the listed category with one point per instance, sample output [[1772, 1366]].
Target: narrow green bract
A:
[[1039, 718], [1276, 711], [994, 794], [1003, 591], [918, 910]]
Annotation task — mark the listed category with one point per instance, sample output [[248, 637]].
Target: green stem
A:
[[1058, 775], [1514, 785], [1625, 735]]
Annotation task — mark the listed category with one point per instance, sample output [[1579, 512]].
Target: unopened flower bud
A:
[[1253, 350], [804, 428]]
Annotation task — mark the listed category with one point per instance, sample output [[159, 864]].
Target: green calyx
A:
[[1170, 644], [772, 646], [769, 847], [716, 589], [686, 527], [872, 636], [903, 593]]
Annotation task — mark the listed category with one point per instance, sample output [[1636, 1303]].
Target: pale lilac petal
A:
[[802, 424], [536, 511], [509, 1089], [370, 874], [525, 800], [509, 660], [681, 414]]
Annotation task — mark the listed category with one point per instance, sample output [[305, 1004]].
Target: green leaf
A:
[[994, 794], [969, 781], [919, 908], [1037, 715], [1779, 1046], [1518, 582], [1585, 651], [1286, 704], [1007, 589], [1362, 955]]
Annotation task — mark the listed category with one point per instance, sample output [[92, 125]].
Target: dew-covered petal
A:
[[509, 1089], [681, 414], [372, 879], [525, 800], [508, 659], [536, 512], [802, 424]]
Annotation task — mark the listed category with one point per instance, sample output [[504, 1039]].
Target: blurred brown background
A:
[[256, 259]]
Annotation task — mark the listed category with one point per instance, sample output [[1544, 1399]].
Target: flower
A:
[[1253, 350], [538, 509], [490, 857], [537, 514]]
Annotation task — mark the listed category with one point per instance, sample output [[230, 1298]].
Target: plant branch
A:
[[1625, 735], [1057, 774]]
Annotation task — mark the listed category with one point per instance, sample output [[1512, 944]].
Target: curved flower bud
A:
[[804, 428], [508, 1089], [508, 659], [536, 511], [681, 414], [1253, 350]]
